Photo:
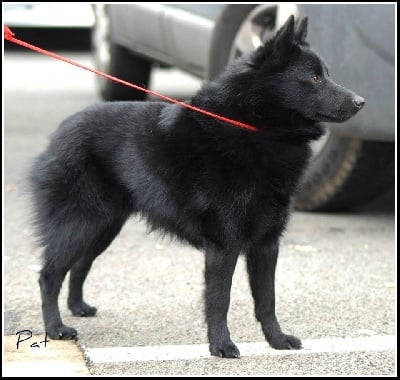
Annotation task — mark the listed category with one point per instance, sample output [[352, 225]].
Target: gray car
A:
[[354, 162]]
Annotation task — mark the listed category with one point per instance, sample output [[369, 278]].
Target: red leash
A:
[[9, 35]]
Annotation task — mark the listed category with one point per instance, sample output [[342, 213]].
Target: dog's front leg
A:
[[218, 275], [261, 264]]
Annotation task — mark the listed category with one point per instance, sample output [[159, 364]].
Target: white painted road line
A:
[[200, 351]]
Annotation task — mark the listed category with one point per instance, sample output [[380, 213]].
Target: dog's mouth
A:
[[332, 119]]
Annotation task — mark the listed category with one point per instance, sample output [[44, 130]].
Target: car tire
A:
[[117, 61], [345, 172]]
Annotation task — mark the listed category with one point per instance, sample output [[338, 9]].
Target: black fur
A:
[[222, 189]]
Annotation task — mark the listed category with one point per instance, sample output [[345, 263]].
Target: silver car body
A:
[[357, 42]]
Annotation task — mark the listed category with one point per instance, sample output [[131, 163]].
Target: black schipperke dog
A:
[[223, 189]]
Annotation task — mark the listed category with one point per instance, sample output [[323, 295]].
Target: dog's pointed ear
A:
[[276, 51], [300, 33], [283, 40]]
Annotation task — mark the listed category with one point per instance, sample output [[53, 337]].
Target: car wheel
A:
[[117, 61], [343, 172]]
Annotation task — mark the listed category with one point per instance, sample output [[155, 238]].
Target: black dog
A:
[[223, 189]]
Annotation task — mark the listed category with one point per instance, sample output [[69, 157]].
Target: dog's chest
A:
[[244, 214]]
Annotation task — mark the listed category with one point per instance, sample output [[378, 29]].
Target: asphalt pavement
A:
[[335, 281]]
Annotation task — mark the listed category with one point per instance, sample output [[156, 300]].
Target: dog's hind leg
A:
[[218, 274], [79, 208], [56, 266], [261, 264], [74, 248], [81, 268]]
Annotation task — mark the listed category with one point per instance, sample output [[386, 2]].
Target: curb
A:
[[34, 357]]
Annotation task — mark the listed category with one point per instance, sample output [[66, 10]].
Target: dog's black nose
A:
[[359, 102]]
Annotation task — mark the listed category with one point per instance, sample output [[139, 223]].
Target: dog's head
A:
[[288, 68]]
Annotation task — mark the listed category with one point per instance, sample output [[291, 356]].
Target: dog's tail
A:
[[58, 179]]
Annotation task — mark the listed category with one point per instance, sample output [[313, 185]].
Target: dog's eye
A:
[[316, 78]]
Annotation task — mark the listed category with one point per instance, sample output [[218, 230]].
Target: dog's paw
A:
[[285, 342], [82, 309], [225, 350], [61, 332]]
